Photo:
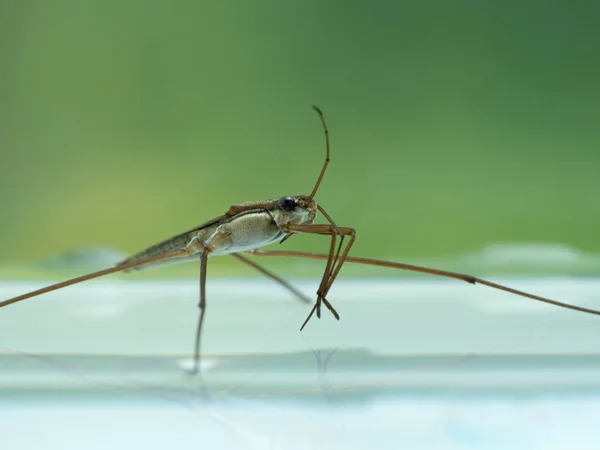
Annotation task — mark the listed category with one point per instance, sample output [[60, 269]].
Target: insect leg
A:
[[351, 233], [442, 273], [220, 239], [317, 306], [202, 306], [99, 273], [274, 277], [333, 267]]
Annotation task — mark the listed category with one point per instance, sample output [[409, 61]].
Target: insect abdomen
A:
[[174, 244]]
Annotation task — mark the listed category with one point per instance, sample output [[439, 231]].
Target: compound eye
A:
[[287, 203]]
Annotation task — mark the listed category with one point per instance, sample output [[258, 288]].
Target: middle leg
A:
[[274, 277], [202, 306]]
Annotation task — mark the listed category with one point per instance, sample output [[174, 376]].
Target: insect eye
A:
[[287, 203]]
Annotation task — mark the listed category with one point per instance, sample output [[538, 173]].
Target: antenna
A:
[[314, 191]]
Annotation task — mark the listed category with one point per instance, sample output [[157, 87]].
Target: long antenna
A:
[[314, 191]]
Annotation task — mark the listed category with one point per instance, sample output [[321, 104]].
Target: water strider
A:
[[249, 226]]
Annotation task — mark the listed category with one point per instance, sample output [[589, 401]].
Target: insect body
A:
[[248, 227], [244, 227]]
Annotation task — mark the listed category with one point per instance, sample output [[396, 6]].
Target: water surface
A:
[[416, 363]]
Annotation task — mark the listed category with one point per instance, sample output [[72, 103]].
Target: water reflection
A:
[[328, 398]]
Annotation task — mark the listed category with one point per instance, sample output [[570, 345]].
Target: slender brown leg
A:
[[348, 232], [326, 274], [332, 272], [443, 273], [272, 276], [99, 273], [202, 306], [333, 263]]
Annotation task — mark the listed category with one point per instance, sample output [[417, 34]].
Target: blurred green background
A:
[[454, 125]]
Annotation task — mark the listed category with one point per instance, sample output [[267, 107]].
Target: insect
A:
[[247, 227]]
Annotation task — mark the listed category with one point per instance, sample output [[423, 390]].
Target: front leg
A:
[[334, 260]]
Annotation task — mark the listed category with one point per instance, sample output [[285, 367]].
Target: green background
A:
[[454, 125]]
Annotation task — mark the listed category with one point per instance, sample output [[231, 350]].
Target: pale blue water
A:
[[419, 364]]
